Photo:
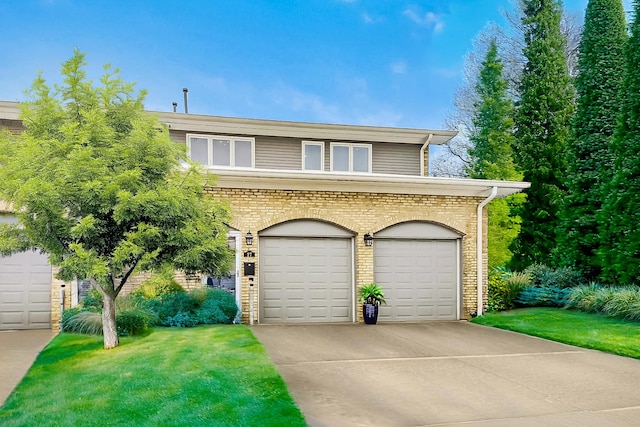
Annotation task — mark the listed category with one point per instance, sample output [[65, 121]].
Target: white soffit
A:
[[262, 179]]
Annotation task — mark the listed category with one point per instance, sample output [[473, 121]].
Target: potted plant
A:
[[371, 296]]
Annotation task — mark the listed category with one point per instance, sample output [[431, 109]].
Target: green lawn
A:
[[208, 375], [571, 327]]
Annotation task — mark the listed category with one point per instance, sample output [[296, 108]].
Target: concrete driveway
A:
[[18, 351], [449, 373]]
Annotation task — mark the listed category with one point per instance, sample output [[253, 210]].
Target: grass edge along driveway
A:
[[207, 375], [577, 328]]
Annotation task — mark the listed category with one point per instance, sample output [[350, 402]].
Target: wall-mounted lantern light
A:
[[249, 238], [368, 240]]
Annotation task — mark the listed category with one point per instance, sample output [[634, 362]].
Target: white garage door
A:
[[305, 279], [25, 291], [419, 276]]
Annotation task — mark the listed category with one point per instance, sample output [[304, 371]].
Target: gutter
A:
[[479, 245], [422, 149]]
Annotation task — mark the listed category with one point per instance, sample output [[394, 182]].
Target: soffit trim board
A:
[[365, 183]]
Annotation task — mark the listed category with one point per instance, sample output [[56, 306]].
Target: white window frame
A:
[[232, 149], [304, 145], [351, 146]]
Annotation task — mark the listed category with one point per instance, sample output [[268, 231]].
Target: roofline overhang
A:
[[10, 110], [321, 131], [266, 179]]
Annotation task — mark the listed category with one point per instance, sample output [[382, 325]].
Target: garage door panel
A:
[[314, 275], [419, 278], [25, 291]]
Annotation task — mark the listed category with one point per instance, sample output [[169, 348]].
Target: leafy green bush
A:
[[182, 320], [93, 301], [496, 298], [543, 276], [170, 305], [550, 296], [159, 285], [504, 288], [218, 307], [131, 322], [206, 306]]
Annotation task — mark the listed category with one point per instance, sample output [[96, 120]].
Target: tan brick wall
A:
[[256, 210], [56, 285]]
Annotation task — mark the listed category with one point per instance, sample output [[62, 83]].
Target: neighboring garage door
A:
[[417, 264], [305, 273], [25, 289]]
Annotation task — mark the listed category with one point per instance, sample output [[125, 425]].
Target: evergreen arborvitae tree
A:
[[542, 122], [601, 63], [491, 154], [620, 228]]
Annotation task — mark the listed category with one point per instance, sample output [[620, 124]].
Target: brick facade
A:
[[256, 210]]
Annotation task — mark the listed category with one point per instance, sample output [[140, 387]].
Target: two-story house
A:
[[321, 209]]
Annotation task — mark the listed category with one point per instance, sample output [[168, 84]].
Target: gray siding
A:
[[396, 159], [278, 153]]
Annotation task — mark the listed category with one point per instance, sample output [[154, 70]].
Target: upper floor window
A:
[[215, 150], [350, 157], [312, 156]]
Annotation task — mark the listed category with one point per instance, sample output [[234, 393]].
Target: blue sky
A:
[[373, 62]]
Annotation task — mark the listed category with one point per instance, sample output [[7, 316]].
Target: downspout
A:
[[424, 147], [485, 202]]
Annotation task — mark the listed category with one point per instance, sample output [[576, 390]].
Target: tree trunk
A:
[[109, 330]]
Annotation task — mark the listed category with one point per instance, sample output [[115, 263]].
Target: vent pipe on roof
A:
[[186, 100], [175, 106]]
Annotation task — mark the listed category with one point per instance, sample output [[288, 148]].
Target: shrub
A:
[[159, 285], [550, 296], [496, 298], [93, 301], [218, 307], [504, 288], [83, 322], [584, 298], [67, 314], [131, 322], [625, 303], [182, 320], [543, 276], [170, 305], [514, 285]]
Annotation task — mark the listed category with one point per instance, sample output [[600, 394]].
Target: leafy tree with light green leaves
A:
[[619, 228], [491, 153], [601, 63], [97, 183], [543, 119]]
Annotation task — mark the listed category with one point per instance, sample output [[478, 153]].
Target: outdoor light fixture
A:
[[249, 238], [368, 240]]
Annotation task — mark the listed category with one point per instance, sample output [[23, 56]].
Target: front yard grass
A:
[[208, 375], [577, 328]]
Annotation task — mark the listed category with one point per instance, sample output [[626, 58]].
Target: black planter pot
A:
[[370, 313]]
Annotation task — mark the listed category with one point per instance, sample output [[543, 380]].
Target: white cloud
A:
[[430, 20], [399, 67]]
